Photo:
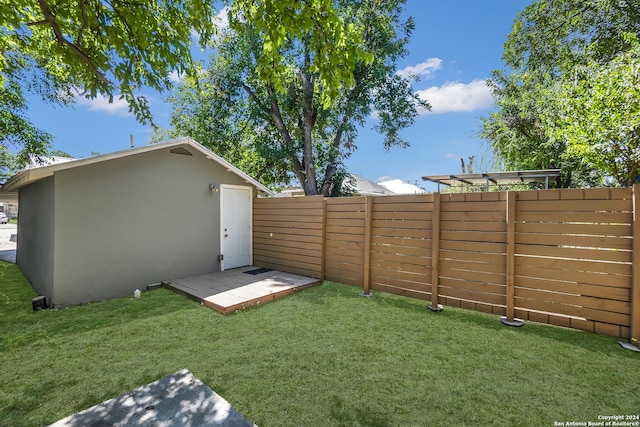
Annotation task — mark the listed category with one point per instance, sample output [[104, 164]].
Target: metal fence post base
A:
[[629, 346], [515, 322], [437, 309]]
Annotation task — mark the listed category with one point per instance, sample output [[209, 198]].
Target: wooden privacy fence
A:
[[563, 257]]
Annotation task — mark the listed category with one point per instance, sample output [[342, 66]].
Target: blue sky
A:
[[455, 46]]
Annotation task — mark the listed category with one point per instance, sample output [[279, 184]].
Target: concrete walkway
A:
[[179, 400], [8, 239]]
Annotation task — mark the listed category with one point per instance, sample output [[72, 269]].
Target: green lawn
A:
[[322, 357]]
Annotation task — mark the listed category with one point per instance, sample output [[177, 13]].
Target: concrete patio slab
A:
[[179, 400]]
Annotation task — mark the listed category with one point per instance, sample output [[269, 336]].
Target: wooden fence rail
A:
[[563, 257]]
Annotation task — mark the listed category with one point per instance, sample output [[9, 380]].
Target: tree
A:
[[286, 119], [62, 49], [598, 114], [549, 39]]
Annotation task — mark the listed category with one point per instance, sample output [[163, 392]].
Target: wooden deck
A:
[[231, 290]]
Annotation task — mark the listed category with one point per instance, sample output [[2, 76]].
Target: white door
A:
[[235, 233]]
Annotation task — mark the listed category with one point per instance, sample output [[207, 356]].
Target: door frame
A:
[[224, 187]]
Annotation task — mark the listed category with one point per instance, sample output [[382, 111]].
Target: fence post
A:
[[367, 247], [435, 253], [323, 241], [510, 319], [634, 333]]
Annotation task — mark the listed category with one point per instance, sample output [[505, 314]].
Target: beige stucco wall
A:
[[36, 235], [126, 223]]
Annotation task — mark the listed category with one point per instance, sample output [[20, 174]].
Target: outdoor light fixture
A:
[[213, 188]]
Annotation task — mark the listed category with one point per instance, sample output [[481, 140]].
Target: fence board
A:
[[407, 267], [488, 247], [343, 235], [472, 276], [574, 241], [472, 266], [398, 224], [424, 233], [569, 217], [404, 242], [333, 215], [574, 276], [597, 254], [424, 209], [576, 265], [464, 294], [571, 310], [342, 244], [597, 291], [402, 275], [396, 215], [411, 199], [476, 207], [485, 257], [275, 237], [286, 250], [479, 287], [473, 216], [473, 236], [401, 250], [623, 307], [401, 284], [575, 205], [401, 291], [258, 223], [594, 229], [474, 226]]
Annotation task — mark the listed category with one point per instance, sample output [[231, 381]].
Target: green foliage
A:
[[60, 153], [548, 41], [283, 118], [598, 114], [114, 48], [334, 40], [9, 164], [61, 50]]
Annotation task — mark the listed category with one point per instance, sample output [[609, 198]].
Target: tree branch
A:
[[83, 11], [51, 20], [255, 97], [331, 170]]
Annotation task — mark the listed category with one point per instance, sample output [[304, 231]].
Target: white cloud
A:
[[456, 97], [423, 69], [453, 156], [222, 18], [176, 77], [118, 107], [221, 21], [195, 36]]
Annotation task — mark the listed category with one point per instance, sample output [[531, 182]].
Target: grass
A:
[[322, 357]]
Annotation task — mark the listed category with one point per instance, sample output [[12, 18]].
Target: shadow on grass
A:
[[179, 399]]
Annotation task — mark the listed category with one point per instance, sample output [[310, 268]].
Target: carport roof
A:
[[488, 178], [29, 176]]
